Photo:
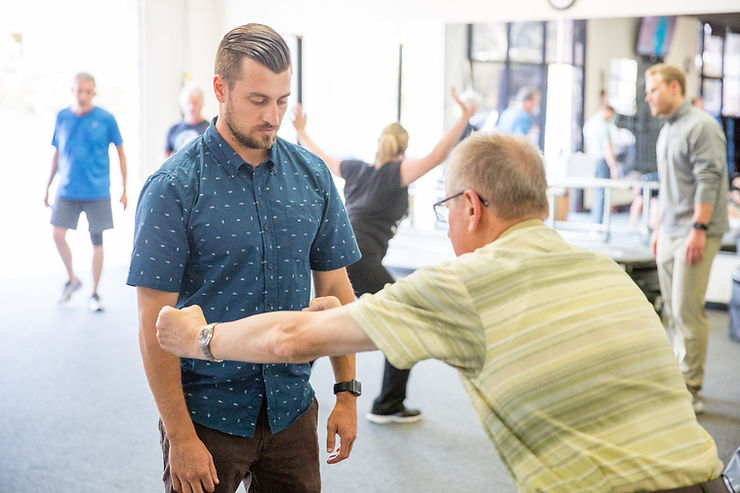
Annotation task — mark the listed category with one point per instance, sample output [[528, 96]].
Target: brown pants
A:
[[286, 462]]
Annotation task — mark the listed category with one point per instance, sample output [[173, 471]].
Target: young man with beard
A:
[[238, 222]]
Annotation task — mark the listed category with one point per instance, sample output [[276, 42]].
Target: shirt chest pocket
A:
[[299, 228]]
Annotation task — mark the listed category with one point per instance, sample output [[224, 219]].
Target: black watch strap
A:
[[701, 226], [352, 386]]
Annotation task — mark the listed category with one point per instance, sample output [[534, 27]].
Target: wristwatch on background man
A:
[[352, 386], [204, 341], [701, 226]]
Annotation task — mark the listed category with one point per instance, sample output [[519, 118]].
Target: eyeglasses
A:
[[443, 212]]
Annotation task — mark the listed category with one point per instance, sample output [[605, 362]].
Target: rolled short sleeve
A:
[[161, 247], [428, 314], [334, 246]]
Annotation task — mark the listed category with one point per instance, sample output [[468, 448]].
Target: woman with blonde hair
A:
[[376, 196]]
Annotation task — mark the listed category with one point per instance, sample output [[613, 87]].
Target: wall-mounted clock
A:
[[561, 4]]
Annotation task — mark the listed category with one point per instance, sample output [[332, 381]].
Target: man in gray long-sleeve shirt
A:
[[692, 171]]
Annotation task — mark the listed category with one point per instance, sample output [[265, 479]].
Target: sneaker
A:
[[95, 304], [697, 403], [69, 288], [402, 417]]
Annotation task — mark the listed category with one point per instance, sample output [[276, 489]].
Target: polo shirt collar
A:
[[680, 111], [228, 157]]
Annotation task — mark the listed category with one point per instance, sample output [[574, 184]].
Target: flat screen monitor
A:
[[655, 35]]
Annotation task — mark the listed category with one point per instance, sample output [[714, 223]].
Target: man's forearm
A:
[[703, 213], [163, 374], [162, 369], [275, 337]]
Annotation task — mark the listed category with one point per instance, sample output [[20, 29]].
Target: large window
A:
[[720, 83], [720, 71], [504, 57]]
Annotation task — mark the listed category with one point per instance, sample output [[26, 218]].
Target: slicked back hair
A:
[[256, 42]]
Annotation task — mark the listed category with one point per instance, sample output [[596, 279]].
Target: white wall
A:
[[296, 14], [178, 40]]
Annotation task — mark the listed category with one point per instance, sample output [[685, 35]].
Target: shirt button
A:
[[267, 227], [259, 192], [269, 266]]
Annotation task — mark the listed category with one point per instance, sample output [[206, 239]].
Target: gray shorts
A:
[[65, 213]]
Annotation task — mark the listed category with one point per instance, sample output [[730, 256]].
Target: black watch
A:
[[353, 386], [701, 226]]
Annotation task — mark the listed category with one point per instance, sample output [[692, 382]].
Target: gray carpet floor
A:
[[76, 414]]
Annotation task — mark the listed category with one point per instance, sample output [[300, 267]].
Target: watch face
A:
[[204, 334]]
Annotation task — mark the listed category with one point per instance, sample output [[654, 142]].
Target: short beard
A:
[[246, 140]]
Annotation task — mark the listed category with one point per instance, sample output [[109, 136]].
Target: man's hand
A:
[[177, 330], [191, 466], [46, 198], [323, 303], [123, 200], [299, 118], [467, 110], [343, 422], [694, 246], [654, 244]]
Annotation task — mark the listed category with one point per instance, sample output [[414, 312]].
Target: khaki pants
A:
[[683, 288]]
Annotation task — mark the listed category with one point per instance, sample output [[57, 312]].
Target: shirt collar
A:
[[529, 223], [680, 111], [228, 157]]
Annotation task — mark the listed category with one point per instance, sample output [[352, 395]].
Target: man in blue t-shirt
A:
[[517, 119], [192, 124], [82, 135], [240, 221]]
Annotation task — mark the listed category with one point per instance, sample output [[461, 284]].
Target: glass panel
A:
[[623, 85], [488, 81], [560, 41], [579, 37], [712, 91], [712, 55], [528, 76], [526, 42], [489, 42], [731, 99], [732, 55]]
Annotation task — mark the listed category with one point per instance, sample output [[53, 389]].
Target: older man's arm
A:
[[275, 337]]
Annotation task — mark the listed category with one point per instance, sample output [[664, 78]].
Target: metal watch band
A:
[[206, 334]]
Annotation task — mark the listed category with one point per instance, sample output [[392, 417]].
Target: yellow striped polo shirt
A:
[[565, 361]]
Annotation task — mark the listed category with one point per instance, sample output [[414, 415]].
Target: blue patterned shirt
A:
[[239, 240]]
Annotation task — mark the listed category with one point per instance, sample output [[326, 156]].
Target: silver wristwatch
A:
[[204, 340]]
